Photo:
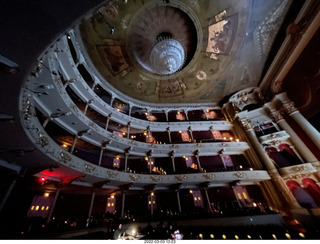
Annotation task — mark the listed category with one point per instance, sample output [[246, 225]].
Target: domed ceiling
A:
[[182, 51]]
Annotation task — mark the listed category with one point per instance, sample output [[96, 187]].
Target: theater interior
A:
[[175, 119]]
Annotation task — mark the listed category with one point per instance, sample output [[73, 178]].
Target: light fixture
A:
[[46, 194]]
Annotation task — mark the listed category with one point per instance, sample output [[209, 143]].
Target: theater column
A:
[[258, 147], [297, 142], [302, 122]]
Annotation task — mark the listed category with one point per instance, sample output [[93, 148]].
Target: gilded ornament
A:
[[276, 116], [112, 174], [134, 177], [297, 169], [247, 124], [44, 141], [181, 177], [289, 107], [208, 176], [65, 157], [239, 174], [89, 168], [155, 178]]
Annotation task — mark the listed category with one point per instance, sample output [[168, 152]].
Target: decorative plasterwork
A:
[[155, 178], [208, 176], [276, 116], [89, 168], [134, 177], [43, 140], [112, 174], [289, 107], [239, 175], [180, 177], [65, 157], [247, 124], [245, 97], [280, 136], [297, 170]]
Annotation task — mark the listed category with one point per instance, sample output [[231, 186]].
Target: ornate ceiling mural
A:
[[183, 51]]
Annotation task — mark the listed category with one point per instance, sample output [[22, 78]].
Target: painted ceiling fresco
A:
[[226, 44]]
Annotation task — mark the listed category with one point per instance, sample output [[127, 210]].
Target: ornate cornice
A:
[[276, 116], [289, 107], [247, 125]]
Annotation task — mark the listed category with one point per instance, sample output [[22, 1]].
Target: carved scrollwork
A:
[[276, 115], [134, 177], [112, 174], [272, 136], [239, 175], [274, 143], [89, 168], [208, 176], [155, 178], [181, 177], [297, 169], [43, 139], [289, 107], [65, 157], [247, 124]]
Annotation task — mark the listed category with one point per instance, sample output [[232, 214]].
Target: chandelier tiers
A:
[[167, 57], [162, 40]]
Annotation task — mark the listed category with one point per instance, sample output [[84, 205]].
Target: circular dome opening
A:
[[162, 40]]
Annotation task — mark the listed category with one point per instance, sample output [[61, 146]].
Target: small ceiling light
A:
[[46, 194]]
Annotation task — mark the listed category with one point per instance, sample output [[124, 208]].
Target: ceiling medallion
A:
[[167, 57]]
